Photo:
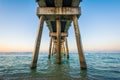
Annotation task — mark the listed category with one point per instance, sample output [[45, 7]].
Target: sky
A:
[[99, 26]]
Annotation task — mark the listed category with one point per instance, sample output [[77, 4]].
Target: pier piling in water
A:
[[37, 44], [58, 15], [67, 50], [49, 55], [79, 45], [58, 26]]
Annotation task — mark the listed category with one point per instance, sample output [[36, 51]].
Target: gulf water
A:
[[100, 66]]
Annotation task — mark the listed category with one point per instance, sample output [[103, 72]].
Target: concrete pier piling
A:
[[67, 50], [53, 49], [79, 44], [58, 26], [49, 55], [37, 44]]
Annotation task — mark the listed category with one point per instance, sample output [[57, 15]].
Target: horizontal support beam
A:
[[58, 11], [62, 18], [54, 34]]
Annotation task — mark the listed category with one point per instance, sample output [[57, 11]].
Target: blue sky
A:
[[99, 26]]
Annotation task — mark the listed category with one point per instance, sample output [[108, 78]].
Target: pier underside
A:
[[58, 9], [58, 15]]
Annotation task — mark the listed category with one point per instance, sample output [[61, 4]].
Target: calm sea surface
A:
[[101, 66]]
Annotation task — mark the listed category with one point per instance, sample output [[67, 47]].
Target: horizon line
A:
[[69, 51]]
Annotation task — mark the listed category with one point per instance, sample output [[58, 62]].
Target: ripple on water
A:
[[100, 67]]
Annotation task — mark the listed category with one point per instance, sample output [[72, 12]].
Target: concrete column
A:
[[53, 48], [37, 44], [58, 27], [79, 44], [67, 50], [63, 48], [49, 55]]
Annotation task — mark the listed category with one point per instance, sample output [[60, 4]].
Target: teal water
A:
[[101, 66]]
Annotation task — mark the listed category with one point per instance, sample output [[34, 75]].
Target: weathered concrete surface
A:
[[37, 44], [49, 55], [67, 50], [79, 44], [53, 34], [64, 11], [58, 25]]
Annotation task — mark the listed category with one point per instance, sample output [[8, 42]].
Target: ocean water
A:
[[100, 66]]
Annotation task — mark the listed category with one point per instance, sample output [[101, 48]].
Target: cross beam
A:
[[58, 11]]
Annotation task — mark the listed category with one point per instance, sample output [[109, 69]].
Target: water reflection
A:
[[83, 74]]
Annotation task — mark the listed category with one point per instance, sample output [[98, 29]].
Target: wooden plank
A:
[[37, 44], [79, 44], [58, 3], [53, 34], [58, 11]]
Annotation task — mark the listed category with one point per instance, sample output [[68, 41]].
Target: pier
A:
[[58, 15]]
